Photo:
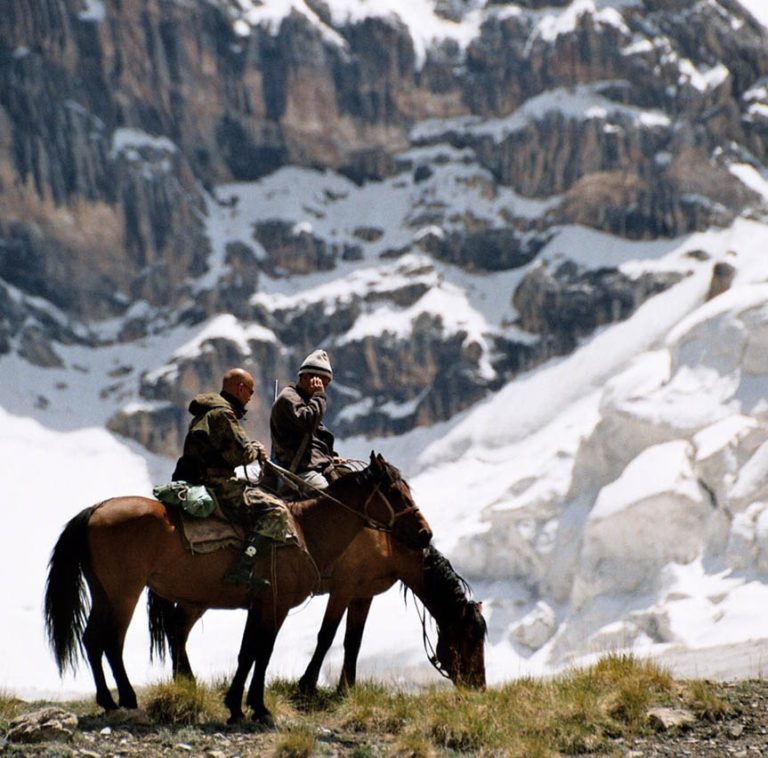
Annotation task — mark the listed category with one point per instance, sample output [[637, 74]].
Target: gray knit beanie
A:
[[317, 362]]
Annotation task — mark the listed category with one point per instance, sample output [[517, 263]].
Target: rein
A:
[[370, 521], [428, 647]]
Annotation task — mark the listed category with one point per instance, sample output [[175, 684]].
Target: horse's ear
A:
[[373, 458]]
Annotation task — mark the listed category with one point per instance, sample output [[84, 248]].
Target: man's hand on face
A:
[[316, 385]]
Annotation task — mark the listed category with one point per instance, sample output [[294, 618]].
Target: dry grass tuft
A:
[[704, 702], [183, 702], [297, 742], [10, 706]]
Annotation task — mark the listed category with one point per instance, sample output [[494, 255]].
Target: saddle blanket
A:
[[214, 533]]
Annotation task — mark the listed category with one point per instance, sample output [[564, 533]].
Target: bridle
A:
[[429, 648], [393, 514], [370, 521]]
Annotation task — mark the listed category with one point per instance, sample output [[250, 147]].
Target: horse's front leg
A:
[[357, 615], [245, 658], [264, 642], [333, 613]]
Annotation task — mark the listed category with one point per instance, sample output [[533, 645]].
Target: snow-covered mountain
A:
[[531, 235]]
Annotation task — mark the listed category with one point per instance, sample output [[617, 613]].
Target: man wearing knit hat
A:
[[300, 441]]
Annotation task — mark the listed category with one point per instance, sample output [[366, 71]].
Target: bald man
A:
[[215, 445]]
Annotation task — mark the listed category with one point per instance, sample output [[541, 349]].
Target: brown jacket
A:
[[296, 414]]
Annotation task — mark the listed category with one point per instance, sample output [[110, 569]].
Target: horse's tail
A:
[[66, 599], [159, 614]]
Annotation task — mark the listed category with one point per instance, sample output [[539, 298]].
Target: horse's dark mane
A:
[[442, 585], [392, 474]]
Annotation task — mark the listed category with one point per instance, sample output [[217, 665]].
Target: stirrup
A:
[[241, 571], [241, 574]]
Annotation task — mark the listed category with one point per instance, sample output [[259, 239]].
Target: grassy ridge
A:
[[584, 710]]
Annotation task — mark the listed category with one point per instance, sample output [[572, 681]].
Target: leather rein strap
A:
[[374, 523]]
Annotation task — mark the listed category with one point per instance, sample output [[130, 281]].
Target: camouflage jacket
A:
[[296, 414], [215, 443]]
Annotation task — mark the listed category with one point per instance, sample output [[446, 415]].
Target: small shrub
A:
[[705, 702], [10, 707], [183, 702], [296, 743], [9, 704]]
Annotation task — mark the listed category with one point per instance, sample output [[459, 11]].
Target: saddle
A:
[[206, 535], [267, 516]]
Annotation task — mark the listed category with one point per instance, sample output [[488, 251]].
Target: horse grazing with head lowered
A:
[[125, 544], [371, 564]]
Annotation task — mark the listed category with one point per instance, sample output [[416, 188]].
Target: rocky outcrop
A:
[[566, 302], [119, 121], [489, 249], [160, 420], [293, 249], [49, 724], [81, 204], [722, 278]]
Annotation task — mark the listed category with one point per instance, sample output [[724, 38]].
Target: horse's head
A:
[[392, 503], [461, 628], [460, 649]]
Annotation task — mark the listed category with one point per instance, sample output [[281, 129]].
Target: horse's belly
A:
[[198, 580]]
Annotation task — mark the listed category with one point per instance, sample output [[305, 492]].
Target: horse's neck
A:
[[328, 528], [440, 591]]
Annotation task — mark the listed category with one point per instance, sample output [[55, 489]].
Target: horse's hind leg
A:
[[184, 618], [122, 613], [94, 641], [357, 615]]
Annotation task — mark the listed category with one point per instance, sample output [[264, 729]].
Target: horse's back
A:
[[118, 511]]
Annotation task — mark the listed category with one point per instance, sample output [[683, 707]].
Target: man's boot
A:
[[241, 571]]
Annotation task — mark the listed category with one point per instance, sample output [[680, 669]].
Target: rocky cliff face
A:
[[130, 128]]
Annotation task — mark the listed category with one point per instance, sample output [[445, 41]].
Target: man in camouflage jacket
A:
[[216, 442], [214, 446]]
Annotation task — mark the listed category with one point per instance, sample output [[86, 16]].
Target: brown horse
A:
[[369, 566], [125, 544]]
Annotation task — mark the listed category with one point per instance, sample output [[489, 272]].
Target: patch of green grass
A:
[[372, 707], [364, 751], [287, 691], [578, 712]]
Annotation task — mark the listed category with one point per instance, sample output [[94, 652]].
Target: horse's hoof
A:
[[264, 721], [236, 718], [307, 687]]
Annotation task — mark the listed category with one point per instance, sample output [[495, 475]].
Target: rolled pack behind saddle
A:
[[239, 515]]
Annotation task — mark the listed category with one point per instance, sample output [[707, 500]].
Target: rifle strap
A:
[[300, 453]]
